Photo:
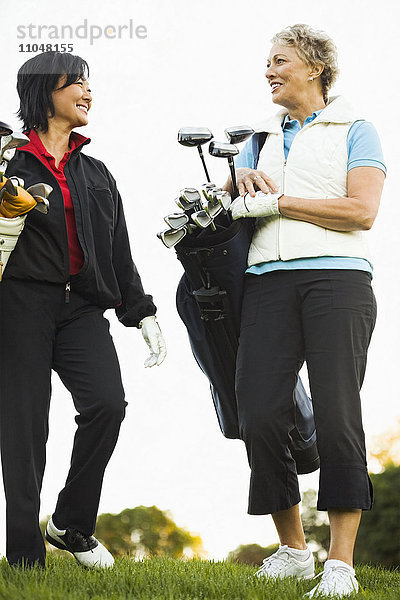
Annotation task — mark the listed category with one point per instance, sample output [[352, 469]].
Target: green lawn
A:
[[163, 578]]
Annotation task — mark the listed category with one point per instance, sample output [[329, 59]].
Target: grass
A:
[[168, 579]]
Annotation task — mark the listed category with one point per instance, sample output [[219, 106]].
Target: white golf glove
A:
[[262, 205], [154, 339]]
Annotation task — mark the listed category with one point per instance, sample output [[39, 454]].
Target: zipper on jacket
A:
[[67, 291], [278, 250], [79, 230]]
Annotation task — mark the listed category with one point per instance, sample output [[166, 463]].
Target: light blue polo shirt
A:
[[363, 150]]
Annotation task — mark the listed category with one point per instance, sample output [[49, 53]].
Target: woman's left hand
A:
[[248, 178], [154, 339]]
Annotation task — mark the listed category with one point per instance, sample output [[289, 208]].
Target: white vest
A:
[[316, 167]]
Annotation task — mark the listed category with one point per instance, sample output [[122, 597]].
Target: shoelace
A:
[[273, 562], [74, 534], [331, 577]]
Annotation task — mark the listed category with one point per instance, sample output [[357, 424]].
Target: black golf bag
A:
[[209, 299]]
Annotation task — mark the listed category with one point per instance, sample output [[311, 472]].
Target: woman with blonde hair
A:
[[312, 175]]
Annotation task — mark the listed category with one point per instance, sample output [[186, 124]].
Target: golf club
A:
[[176, 220], [171, 237], [14, 140], [196, 137], [39, 192], [207, 190], [223, 150], [40, 189], [7, 144], [5, 129], [203, 220], [212, 210], [238, 134], [190, 198], [13, 183], [222, 197]]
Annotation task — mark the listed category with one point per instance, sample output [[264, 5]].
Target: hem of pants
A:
[[269, 509], [345, 487], [27, 563]]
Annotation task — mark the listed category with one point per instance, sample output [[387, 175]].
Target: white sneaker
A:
[[284, 563], [87, 550], [338, 580]]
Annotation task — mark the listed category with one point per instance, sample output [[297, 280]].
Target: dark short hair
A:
[[38, 78]]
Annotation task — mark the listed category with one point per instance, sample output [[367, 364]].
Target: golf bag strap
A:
[[261, 141]]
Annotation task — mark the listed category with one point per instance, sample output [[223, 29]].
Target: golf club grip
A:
[[233, 177]]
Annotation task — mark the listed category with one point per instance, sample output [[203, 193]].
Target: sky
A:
[[200, 63]]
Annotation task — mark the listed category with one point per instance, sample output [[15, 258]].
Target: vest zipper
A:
[[279, 216]]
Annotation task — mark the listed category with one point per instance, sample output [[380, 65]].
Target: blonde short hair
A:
[[314, 48]]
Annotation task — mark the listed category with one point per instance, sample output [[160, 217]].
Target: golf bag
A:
[[10, 230], [15, 201], [209, 299]]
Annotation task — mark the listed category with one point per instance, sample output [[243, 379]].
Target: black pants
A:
[[326, 318], [39, 332]]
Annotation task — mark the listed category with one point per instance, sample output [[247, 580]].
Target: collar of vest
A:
[[338, 110]]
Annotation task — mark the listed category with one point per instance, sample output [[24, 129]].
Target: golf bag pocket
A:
[[10, 230]]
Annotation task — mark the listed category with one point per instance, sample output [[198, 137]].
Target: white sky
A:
[[203, 63]]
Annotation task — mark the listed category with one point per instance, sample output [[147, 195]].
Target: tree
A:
[[316, 524], [145, 530], [378, 540], [251, 554], [386, 447]]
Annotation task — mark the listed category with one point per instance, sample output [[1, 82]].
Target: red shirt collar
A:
[[36, 146]]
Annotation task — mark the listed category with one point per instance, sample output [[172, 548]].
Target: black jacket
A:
[[108, 278]]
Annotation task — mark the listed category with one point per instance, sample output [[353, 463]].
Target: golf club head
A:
[[223, 198], [190, 198], [212, 209], [201, 219], [5, 129], [238, 134], [17, 181], [194, 136], [207, 190], [176, 220], [40, 189], [11, 186], [171, 237], [222, 150], [180, 204], [42, 205], [14, 140]]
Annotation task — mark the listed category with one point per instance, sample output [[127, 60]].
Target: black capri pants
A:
[[324, 317]]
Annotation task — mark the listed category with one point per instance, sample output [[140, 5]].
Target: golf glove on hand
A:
[[262, 205], [154, 339]]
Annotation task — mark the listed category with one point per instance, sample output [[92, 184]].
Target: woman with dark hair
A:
[[67, 268], [312, 175]]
